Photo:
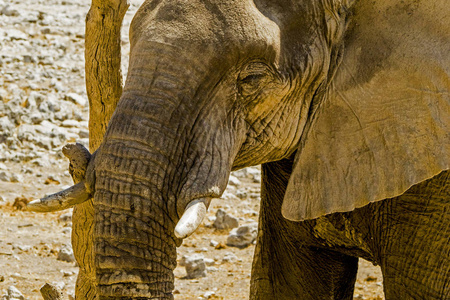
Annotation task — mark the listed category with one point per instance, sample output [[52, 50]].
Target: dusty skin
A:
[[52, 35]]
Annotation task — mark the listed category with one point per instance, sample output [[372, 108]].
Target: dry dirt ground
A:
[[41, 66]]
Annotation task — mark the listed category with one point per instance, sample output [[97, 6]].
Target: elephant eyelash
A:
[[252, 78], [251, 83]]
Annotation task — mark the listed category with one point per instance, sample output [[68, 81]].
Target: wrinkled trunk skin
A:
[[146, 171], [135, 252]]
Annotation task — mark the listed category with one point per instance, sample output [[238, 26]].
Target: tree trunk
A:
[[104, 88]]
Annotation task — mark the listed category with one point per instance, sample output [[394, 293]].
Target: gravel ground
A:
[[43, 106]]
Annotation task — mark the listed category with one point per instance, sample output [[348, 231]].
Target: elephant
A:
[[344, 103]]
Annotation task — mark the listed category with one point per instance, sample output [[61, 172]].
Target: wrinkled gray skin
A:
[[214, 86]]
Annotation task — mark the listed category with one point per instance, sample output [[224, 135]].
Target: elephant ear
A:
[[383, 125]]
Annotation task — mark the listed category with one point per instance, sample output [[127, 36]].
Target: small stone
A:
[[52, 180], [209, 261], [195, 266], [229, 258], [224, 220], [16, 276], [70, 123], [66, 254], [20, 203], [234, 181], [35, 98], [16, 178], [77, 99], [66, 217], [6, 125], [15, 34], [57, 85], [13, 294], [83, 134], [36, 117], [228, 195], [243, 236], [29, 59], [4, 176], [213, 243], [212, 269], [208, 295], [9, 12], [59, 285], [67, 273], [24, 248], [257, 178], [242, 194]]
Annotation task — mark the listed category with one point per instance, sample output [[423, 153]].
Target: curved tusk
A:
[[76, 194], [192, 217]]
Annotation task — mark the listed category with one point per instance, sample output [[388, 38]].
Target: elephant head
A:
[[214, 86]]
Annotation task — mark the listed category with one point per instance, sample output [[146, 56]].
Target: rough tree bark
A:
[[104, 88]]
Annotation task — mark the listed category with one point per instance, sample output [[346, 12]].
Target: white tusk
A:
[[192, 217], [76, 194]]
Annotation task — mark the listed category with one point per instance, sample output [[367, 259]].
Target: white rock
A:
[[13, 294], [10, 12], [195, 266], [234, 181], [80, 100], [4, 176], [207, 295], [241, 194], [6, 124], [83, 134], [66, 254], [224, 220], [24, 248], [242, 173], [209, 261], [213, 243], [36, 117], [70, 123], [35, 98], [227, 195], [212, 269], [243, 236], [253, 171], [15, 34], [16, 178], [59, 284], [257, 178], [229, 257]]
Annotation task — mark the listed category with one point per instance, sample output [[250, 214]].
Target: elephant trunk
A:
[[147, 171], [134, 254]]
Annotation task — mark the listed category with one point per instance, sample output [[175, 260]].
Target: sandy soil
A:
[[53, 34]]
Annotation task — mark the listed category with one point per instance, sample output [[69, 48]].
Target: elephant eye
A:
[[251, 83]]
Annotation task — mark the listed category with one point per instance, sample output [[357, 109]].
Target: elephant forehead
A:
[[216, 24]]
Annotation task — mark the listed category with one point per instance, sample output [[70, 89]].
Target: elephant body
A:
[[407, 236], [345, 103]]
